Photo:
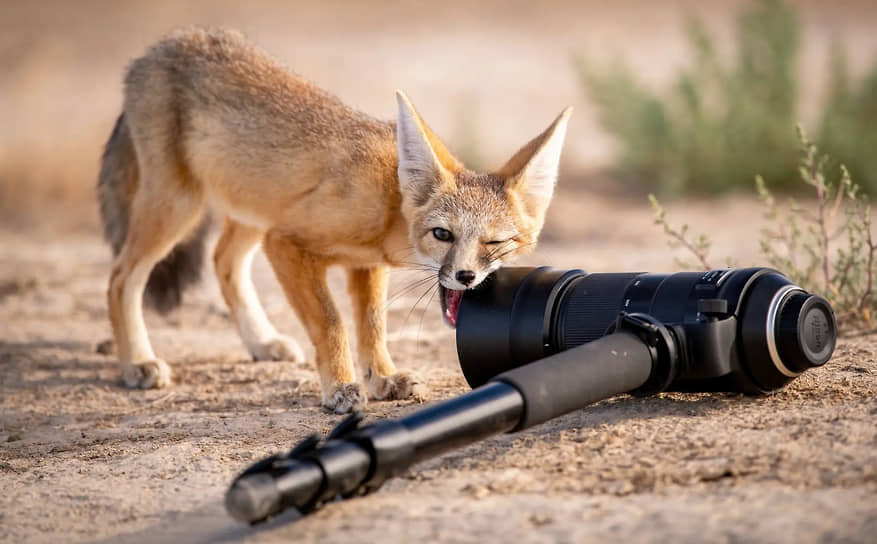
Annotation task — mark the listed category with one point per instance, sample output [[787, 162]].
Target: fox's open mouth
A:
[[450, 299]]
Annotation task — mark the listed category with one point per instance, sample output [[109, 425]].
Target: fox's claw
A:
[[153, 374], [346, 398], [282, 348], [395, 387]]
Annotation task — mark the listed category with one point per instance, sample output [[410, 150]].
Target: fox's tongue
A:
[[452, 305]]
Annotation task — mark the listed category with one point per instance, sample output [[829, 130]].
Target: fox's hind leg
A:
[[303, 277], [161, 216], [368, 292], [232, 260]]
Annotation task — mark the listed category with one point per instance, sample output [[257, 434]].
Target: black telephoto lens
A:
[[748, 329]]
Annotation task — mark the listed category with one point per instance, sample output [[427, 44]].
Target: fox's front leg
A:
[[368, 292], [232, 261], [303, 278]]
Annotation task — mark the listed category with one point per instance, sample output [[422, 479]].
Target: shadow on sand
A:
[[209, 524]]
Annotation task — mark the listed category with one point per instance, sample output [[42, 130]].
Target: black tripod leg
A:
[[572, 379]]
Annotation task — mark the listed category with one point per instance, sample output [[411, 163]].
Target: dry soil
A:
[[83, 459]]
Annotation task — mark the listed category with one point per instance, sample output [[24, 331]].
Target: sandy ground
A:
[[82, 459]]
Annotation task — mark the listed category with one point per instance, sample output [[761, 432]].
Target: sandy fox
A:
[[210, 121]]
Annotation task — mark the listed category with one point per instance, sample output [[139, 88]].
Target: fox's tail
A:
[[116, 187]]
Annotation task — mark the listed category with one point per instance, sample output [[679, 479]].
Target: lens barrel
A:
[[508, 320], [745, 329]]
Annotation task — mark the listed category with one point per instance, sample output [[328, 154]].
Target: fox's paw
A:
[[346, 397], [153, 374], [400, 385], [281, 348]]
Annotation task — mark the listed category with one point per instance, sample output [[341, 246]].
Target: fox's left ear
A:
[[532, 171]]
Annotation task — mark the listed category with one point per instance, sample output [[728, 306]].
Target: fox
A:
[[213, 128]]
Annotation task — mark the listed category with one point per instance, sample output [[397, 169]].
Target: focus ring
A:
[[590, 306]]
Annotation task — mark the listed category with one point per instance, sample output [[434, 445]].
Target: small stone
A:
[[538, 520], [107, 347], [475, 491]]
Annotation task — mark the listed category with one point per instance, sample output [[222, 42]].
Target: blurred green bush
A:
[[719, 126]]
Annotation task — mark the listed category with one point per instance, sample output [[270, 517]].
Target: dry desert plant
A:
[[827, 247]]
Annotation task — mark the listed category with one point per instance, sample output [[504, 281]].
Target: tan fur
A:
[[215, 122]]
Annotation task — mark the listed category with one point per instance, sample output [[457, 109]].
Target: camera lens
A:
[[744, 329]]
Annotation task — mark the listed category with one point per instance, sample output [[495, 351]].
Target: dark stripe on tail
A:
[[180, 269], [116, 186]]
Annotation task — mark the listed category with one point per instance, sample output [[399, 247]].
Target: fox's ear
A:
[[532, 171], [425, 164]]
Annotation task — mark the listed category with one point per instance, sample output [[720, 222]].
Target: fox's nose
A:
[[465, 277]]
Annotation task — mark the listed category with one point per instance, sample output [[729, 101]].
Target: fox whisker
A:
[[433, 292], [408, 288], [428, 290], [503, 254]]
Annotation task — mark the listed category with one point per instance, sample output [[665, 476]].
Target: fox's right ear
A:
[[425, 164]]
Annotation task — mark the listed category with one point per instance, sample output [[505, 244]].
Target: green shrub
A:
[[827, 248], [718, 126], [848, 129]]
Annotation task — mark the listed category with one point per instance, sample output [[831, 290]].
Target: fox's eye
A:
[[494, 242], [442, 235]]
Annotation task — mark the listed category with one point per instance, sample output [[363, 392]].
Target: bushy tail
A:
[[116, 186]]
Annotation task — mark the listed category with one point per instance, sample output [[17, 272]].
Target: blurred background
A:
[[687, 99], [677, 97]]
